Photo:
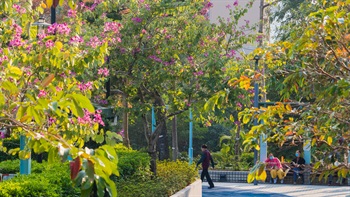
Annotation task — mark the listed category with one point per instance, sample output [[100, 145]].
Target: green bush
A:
[[9, 144], [12, 167], [171, 177], [131, 161], [46, 180], [248, 159]]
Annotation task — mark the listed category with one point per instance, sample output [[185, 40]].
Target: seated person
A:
[[297, 166], [274, 165]]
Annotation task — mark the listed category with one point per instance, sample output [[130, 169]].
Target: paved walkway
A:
[[275, 190]]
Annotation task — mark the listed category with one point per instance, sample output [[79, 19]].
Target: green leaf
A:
[[9, 86], [84, 102], [2, 101], [34, 113], [100, 139], [53, 155], [78, 109]]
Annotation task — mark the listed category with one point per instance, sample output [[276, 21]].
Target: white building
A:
[[220, 9]]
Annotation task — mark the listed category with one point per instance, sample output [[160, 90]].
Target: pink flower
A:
[[16, 42], [239, 105], [86, 86], [137, 20], [231, 53], [155, 58], [98, 118], [199, 73], [103, 71], [112, 26], [241, 96], [49, 44], [51, 121], [235, 3], [41, 36], [94, 42], [121, 133], [76, 40], [19, 9], [228, 6], [42, 93], [72, 13], [58, 28]]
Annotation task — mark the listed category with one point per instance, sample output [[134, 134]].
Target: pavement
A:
[[274, 190]]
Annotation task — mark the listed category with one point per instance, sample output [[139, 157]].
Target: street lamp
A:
[[41, 24], [256, 104], [25, 164]]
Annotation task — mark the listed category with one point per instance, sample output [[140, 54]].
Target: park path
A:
[[273, 190]]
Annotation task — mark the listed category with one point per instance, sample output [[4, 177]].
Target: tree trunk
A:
[[175, 147], [237, 144], [153, 154], [163, 144], [126, 140]]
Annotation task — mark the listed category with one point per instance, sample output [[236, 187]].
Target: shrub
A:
[[12, 167], [46, 180], [248, 158], [131, 161], [9, 144], [171, 177], [176, 175]]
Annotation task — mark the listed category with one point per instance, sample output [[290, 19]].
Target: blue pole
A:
[[190, 148], [25, 165], [307, 151], [256, 105], [154, 124]]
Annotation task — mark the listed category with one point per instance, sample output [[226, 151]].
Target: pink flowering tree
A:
[[171, 57], [47, 80]]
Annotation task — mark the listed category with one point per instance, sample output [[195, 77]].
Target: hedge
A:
[[171, 177], [46, 180]]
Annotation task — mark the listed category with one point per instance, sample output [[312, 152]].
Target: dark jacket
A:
[[300, 161], [205, 160]]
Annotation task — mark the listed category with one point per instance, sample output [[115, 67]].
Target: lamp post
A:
[[256, 105], [25, 164], [190, 147], [41, 24]]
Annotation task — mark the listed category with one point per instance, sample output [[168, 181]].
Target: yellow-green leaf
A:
[[58, 45], [49, 3], [329, 140], [250, 178]]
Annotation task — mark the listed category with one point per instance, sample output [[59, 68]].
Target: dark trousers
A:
[[206, 174], [296, 174]]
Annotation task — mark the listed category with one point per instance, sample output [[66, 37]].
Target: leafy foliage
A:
[[47, 81], [167, 182], [257, 173], [46, 180], [315, 70]]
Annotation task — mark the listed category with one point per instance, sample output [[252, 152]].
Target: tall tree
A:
[[173, 58], [318, 71], [48, 78]]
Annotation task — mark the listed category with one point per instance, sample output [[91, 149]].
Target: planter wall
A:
[[193, 190]]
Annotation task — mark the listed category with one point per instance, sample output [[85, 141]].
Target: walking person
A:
[[298, 164], [205, 160]]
